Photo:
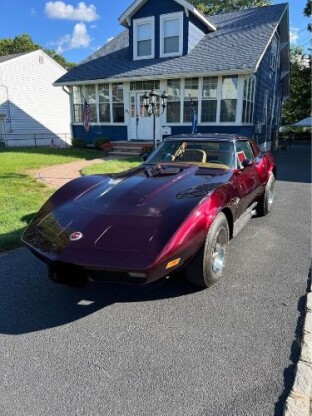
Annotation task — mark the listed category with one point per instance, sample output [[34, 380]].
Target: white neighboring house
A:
[[32, 111]]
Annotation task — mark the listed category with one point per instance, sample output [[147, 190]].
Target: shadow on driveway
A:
[[290, 162], [30, 302]]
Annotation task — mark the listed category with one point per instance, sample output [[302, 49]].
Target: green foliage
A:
[[79, 143], [24, 43], [307, 12], [298, 106], [111, 166], [210, 7], [99, 142]]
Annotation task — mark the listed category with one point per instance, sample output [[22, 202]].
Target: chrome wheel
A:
[[271, 195], [219, 251]]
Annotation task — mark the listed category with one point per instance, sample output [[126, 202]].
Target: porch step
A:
[[129, 148], [129, 154]]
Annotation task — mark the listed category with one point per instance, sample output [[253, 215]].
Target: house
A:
[[32, 110], [234, 67]]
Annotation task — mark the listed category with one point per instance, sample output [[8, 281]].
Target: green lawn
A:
[[21, 196], [111, 166]]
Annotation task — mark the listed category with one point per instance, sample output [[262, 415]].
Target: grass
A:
[[20, 195], [111, 166]]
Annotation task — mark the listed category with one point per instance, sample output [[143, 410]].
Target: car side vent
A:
[[197, 191]]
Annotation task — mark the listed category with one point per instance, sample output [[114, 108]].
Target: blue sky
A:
[[76, 28]]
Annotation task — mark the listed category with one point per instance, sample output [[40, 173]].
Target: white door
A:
[[141, 124]]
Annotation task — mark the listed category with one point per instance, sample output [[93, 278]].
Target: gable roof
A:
[[236, 46], [124, 19], [8, 57]]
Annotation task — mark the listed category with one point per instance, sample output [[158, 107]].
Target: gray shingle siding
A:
[[196, 32], [266, 79]]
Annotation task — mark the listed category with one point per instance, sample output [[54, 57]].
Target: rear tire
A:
[[207, 266], [266, 203]]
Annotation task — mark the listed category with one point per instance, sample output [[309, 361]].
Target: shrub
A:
[[80, 143], [146, 149], [100, 141]]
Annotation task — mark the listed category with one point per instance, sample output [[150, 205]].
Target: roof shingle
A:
[[237, 44]]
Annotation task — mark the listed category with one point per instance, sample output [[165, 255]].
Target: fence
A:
[[36, 140]]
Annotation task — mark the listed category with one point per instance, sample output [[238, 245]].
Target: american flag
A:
[[194, 116], [86, 115]]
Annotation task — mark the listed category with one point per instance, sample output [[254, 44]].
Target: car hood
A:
[[124, 216]]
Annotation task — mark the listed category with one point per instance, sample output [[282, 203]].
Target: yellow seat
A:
[[193, 155]]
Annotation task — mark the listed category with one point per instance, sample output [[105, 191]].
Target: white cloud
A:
[[293, 34], [80, 38], [109, 39], [93, 26], [33, 11], [60, 10]]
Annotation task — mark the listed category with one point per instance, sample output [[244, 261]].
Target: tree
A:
[[24, 43], [217, 6], [307, 12], [298, 106]]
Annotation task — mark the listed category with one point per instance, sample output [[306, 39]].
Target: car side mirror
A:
[[145, 157], [247, 162]]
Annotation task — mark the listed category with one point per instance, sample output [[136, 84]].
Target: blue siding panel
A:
[[246, 131], [266, 79], [114, 133]]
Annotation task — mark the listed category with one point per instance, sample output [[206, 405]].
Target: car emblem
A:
[[75, 236]]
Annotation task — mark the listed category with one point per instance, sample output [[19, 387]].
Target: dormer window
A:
[[171, 34], [143, 38]]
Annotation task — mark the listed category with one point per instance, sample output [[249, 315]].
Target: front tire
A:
[[207, 266]]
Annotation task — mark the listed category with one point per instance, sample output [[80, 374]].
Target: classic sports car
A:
[[178, 210]]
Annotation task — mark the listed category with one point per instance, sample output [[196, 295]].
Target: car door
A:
[[247, 178]]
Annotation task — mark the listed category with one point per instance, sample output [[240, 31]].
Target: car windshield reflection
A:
[[210, 154]]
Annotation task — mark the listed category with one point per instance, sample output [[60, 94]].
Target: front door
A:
[[141, 124]]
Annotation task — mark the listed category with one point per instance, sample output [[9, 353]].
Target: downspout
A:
[[71, 109]]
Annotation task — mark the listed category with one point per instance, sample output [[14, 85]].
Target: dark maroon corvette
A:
[[178, 210]]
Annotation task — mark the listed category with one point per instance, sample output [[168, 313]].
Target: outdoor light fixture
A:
[[153, 109]]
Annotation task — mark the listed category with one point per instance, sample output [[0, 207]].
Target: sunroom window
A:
[[171, 34], [249, 99], [209, 100], [143, 38], [174, 100], [190, 94], [90, 96], [77, 104], [104, 103], [229, 99], [118, 103]]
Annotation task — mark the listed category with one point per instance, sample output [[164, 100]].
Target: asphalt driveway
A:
[[165, 348]]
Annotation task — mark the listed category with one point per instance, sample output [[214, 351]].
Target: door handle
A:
[[137, 119]]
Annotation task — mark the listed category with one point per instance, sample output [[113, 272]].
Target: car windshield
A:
[[213, 154]]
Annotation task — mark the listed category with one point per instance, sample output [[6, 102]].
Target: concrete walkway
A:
[[56, 176]]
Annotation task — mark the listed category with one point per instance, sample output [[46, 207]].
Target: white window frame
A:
[[136, 23], [162, 20]]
